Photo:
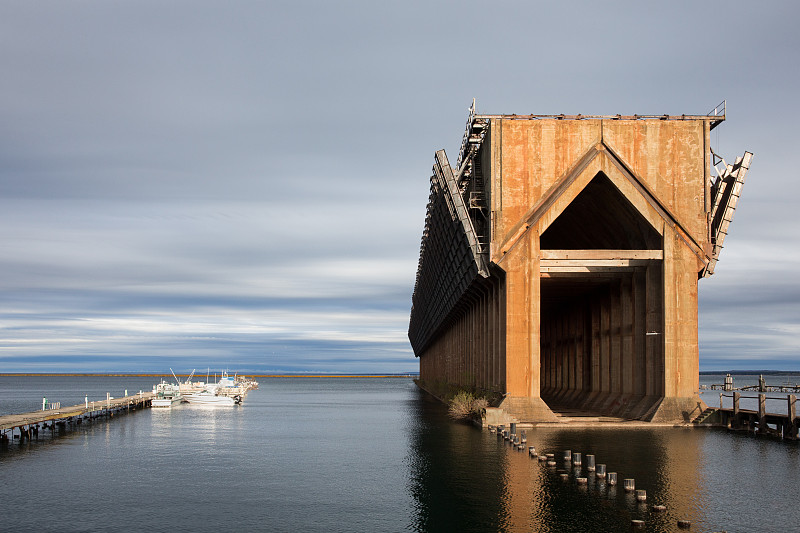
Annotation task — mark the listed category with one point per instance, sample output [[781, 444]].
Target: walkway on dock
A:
[[785, 425], [27, 424]]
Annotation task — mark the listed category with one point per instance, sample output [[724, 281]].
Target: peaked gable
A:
[[598, 159]]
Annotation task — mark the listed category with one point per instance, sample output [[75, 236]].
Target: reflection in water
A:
[[457, 477], [330, 455], [465, 479]]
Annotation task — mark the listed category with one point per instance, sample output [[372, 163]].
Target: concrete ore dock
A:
[[560, 259]]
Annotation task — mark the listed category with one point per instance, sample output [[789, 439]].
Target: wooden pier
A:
[[761, 422], [27, 425], [761, 387]]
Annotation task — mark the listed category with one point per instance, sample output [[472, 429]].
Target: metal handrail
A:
[[719, 110], [787, 400]]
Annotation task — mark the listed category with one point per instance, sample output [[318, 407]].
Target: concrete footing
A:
[[528, 410]]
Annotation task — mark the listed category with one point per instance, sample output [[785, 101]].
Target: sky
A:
[[242, 185]]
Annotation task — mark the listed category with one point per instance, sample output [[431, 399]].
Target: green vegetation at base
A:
[[464, 406], [462, 403]]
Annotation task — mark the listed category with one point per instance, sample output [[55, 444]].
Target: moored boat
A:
[[234, 388], [210, 397], [166, 394]]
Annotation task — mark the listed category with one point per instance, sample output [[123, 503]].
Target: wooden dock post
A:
[[736, 423], [762, 413], [792, 422]]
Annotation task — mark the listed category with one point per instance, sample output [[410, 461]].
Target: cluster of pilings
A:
[[573, 464]]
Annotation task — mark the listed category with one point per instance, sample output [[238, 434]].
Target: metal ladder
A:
[[726, 191]]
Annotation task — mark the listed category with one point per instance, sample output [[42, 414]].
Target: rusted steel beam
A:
[[705, 118]]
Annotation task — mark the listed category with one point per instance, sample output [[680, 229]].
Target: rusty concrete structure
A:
[[560, 260]]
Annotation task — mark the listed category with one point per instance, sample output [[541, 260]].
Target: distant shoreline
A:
[[118, 375]]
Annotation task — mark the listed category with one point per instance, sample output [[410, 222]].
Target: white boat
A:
[[209, 397], [166, 394], [226, 391]]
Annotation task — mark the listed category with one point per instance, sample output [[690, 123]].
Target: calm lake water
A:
[[372, 454]]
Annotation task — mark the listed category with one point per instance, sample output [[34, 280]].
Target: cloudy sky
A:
[[243, 184]]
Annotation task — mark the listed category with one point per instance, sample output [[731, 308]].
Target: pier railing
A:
[[779, 405], [26, 426], [783, 423]]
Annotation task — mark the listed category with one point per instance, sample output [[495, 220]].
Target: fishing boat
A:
[[210, 397], [215, 392], [166, 394]]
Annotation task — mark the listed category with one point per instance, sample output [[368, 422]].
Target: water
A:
[[327, 454], [776, 401]]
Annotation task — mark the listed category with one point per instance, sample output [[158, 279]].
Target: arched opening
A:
[[601, 290], [600, 217]]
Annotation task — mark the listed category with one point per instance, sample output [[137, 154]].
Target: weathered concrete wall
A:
[[669, 156], [599, 228], [621, 351], [469, 353]]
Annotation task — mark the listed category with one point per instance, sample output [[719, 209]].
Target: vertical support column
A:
[[517, 320], [596, 342], [580, 347], [654, 336], [627, 333], [492, 341], [560, 353], [762, 413], [792, 410], [502, 340], [484, 350], [639, 362], [605, 344], [615, 338], [534, 384], [575, 333], [681, 351], [588, 346]]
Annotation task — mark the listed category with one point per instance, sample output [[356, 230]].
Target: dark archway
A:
[[596, 356], [600, 218]]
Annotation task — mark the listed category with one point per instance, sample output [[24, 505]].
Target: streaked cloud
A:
[[195, 184]]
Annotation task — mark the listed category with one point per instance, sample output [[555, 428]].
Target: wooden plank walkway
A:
[[27, 424], [783, 425]]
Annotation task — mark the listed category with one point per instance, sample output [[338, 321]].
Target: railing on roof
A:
[[719, 113], [462, 152]]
